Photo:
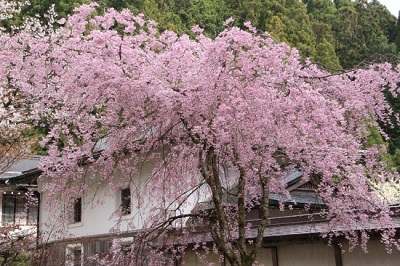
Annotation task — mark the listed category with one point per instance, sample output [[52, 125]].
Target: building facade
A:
[[104, 216]]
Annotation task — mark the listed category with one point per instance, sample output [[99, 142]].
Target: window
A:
[[32, 214], [77, 211], [74, 255], [14, 209], [8, 209], [125, 246], [126, 201], [33, 208], [20, 209]]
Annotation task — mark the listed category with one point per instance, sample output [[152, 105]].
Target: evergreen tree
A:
[[344, 28], [255, 11], [208, 14], [363, 31], [397, 33], [299, 29], [321, 10], [322, 14], [325, 49], [385, 19], [373, 31]]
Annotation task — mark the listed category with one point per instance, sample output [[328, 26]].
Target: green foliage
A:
[[374, 137], [345, 33], [391, 157], [322, 15], [208, 14], [17, 259], [321, 10], [299, 29], [325, 54], [374, 27], [396, 35], [286, 21], [36, 134], [363, 31], [393, 131], [160, 11], [385, 20], [255, 11]]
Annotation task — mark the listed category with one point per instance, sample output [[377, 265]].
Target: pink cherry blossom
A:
[[212, 115]]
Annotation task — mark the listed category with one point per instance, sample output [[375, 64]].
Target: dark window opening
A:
[[33, 208], [77, 210], [126, 248], [9, 202], [32, 215], [77, 256], [18, 209], [126, 201]]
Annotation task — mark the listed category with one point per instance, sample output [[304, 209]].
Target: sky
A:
[[392, 5]]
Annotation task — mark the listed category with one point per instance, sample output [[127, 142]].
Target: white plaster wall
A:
[[99, 214], [311, 254], [377, 255], [99, 207], [200, 258], [1, 209], [51, 227], [264, 257], [306, 254]]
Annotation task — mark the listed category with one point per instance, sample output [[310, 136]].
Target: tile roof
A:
[[293, 176], [20, 167], [297, 197], [292, 229]]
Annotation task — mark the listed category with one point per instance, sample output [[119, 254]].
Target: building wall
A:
[[15, 209], [197, 258], [55, 222], [314, 253], [101, 210], [308, 253], [1, 208], [377, 255], [100, 214]]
